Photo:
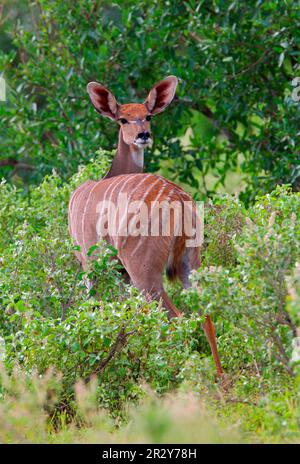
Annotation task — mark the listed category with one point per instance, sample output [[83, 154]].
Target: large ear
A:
[[161, 95], [103, 100]]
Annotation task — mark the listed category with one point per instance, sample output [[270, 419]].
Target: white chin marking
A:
[[143, 145], [138, 156]]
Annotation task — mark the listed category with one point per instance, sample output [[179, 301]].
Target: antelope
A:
[[144, 257]]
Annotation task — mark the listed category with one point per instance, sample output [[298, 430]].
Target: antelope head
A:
[[134, 118]]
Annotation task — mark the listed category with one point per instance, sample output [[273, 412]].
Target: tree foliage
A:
[[235, 62]]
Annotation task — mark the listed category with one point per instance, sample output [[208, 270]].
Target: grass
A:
[[251, 410]]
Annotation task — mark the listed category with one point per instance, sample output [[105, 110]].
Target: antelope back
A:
[[124, 210]]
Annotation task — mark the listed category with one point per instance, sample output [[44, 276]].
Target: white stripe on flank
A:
[[83, 216], [77, 212], [122, 188], [139, 244], [169, 195], [111, 194], [140, 204], [77, 192], [178, 189], [86, 205], [125, 211], [70, 215], [114, 183]]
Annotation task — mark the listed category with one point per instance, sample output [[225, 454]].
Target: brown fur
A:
[[144, 257]]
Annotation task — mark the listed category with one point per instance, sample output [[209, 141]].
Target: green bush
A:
[[293, 307], [179, 418], [249, 300], [50, 320], [224, 221], [27, 402]]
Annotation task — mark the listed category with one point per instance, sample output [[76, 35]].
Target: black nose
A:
[[143, 135]]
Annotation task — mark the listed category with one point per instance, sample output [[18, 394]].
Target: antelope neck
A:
[[129, 159]]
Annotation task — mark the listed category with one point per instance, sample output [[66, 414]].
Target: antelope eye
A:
[[148, 118], [123, 121]]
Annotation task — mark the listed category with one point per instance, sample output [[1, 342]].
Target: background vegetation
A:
[[235, 61], [78, 364]]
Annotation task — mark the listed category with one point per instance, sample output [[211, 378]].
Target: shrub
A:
[[249, 299], [293, 307], [50, 320], [27, 402], [224, 221], [179, 418]]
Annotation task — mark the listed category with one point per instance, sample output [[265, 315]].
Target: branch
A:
[[117, 346], [3, 18], [206, 111], [66, 305], [282, 354], [8, 162], [15, 164], [251, 65]]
